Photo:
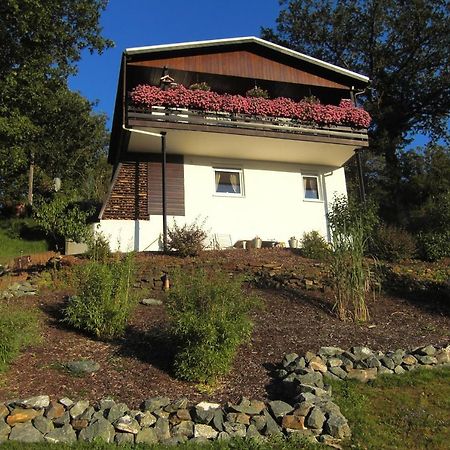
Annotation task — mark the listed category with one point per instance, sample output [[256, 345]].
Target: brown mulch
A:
[[138, 366]]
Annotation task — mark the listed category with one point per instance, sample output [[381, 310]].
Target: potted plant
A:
[[293, 242]]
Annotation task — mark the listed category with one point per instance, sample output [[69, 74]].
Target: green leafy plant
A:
[[103, 302], [433, 246], [209, 320], [257, 92], [187, 240], [99, 249], [18, 329], [392, 244], [203, 86], [314, 246], [351, 225]]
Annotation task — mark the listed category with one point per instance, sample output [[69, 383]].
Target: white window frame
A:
[[319, 187], [239, 171]]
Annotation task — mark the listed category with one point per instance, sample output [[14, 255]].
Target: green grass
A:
[[15, 240], [405, 412]]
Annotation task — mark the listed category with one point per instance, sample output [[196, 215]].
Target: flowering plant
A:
[[179, 96]]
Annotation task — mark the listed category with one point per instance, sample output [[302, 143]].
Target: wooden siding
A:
[[129, 195], [241, 63], [175, 185]]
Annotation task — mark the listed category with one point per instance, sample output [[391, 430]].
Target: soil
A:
[[137, 366]]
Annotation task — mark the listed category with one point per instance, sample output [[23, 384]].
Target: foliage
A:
[[406, 411], [203, 86], [314, 246], [434, 245], [209, 320], [103, 301], [351, 225], [62, 218], [405, 51], [345, 114], [257, 92], [392, 243], [186, 240], [40, 118], [99, 249], [18, 329]]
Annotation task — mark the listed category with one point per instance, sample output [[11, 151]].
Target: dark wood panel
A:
[[242, 64]]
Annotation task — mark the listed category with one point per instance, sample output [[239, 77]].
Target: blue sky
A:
[[136, 23]]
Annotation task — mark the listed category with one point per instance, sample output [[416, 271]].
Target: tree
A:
[[404, 48], [40, 119]]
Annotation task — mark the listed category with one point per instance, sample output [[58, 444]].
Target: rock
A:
[[55, 410], [308, 356], [39, 402], [20, 415], [176, 405], [43, 424], [78, 408], [25, 432], [315, 418], [429, 350], [252, 408], [4, 411], [303, 408], [218, 419], [106, 403], [272, 427], [4, 431], [79, 424], [330, 351], [399, 370], [153, 404], [313, 379], [330, 441], [252, 433], [442, 356], [63, 420], [373, 362], [183, 414], [259, 422], [162, 429], [388, 362], [362, 375], [146, 436], [384, 370], [362, 353], [116, 411], [334, 362], [185, 428], [306, 388], [397, 356], [223, 436], [339, 372], [151, 302], [65, 434], [146, 419], [293, 422], [87, 413], [204, 431], [409, 360], [82, 367], [300, 363], [428, 360], [337, 427], [67, 402], [127, 424], [289, 359], [124, 438], [317, 364], [100, 429], [204, 411], [280, 408], [235, 430]]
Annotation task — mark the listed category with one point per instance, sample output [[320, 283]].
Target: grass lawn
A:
[[410, 411], [12, 246]]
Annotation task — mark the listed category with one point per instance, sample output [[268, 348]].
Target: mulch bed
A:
[[138, 366]]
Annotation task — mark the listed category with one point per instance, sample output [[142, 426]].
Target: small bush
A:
[[433, 246], [202, 86], [314, 246], [209, 320], [98, 248], [18, 329], [257, 92], [103, 302], [392, 244], [188, 240]]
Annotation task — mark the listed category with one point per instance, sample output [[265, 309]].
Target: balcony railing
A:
[[187, 118]]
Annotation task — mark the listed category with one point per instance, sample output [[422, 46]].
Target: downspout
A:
[[362, 190]]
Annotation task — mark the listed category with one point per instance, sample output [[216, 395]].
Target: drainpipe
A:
[[362, 190], [164, 189]]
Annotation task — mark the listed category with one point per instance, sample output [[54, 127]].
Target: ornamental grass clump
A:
[[209, 316], [351, 225], [103, 302]]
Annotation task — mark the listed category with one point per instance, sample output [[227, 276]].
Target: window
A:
[[311, 187], [228, 182]]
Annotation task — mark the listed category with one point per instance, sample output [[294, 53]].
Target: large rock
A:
[[315, 418], [293, 422], [145, 419], [337, 427], [117, 411], [162, 429], [82, 367], [409, 360], [66, 434], [362, 375], [55, 410], [272, 427], [4, 411], [204, 431], [25, 432], [127, 424], [185, 428], [38, 402], [235, 430], [317, 364], [280, 408], [330, 351], [153, 404], [146, 436], [43, 424], [253, 407], [78, 408], [204, 412], [124, 438], [429, 350], [100, 429], [4, 430], [443, 356], [20, 415]]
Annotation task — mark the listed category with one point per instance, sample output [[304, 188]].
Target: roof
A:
[[246, 40]]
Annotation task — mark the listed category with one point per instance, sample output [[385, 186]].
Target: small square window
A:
[[311, 187], [228, 182]]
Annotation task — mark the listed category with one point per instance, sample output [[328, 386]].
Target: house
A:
[[247, 166]]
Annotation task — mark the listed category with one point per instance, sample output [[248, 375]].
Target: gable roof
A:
[[167, 48]]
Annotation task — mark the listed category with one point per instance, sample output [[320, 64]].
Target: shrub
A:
[[18, 329], [257, 92], [314, 246], [392, 244], [188, 240], [350, 225], [433, 246], [103, 302], [202, 86], [209, 320], [98, 248]]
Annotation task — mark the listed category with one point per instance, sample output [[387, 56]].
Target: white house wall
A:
[[272, 207]]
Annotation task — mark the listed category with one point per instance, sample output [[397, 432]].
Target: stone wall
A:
[[308, 409]]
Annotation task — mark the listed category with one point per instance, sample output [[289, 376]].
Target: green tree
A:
[[404, 47], [40, 44]]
